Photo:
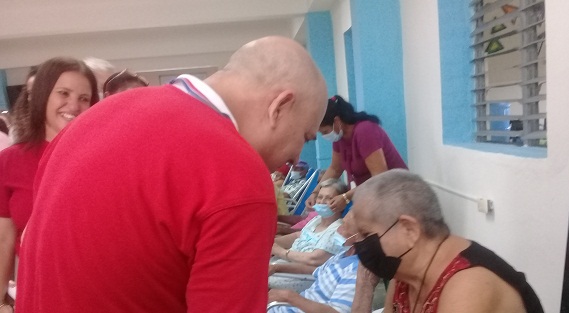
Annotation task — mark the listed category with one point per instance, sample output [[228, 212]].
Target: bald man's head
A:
[[277, 94], [273, 60]]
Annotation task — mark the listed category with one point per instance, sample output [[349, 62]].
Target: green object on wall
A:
[[494, 46], [497, 28]]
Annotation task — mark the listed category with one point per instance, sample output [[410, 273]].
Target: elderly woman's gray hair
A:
[[337, 184], [96, 64], [399, 192]]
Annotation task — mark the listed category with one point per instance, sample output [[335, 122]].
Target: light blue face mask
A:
[[340, 241], [323, 209]]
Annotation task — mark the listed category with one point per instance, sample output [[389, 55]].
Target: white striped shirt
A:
[[335, 285]]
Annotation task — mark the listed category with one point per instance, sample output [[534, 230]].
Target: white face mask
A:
[[333, 136], [295, 175]]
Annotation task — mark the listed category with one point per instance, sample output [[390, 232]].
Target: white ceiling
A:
[[32, 30]]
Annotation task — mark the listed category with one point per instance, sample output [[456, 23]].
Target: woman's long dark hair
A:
[[339, 107], [20, 111], [47, 76]]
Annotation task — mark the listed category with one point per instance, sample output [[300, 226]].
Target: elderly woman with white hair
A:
[[405, 239], [315, 243]]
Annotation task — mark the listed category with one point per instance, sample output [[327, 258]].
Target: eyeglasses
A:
[[124, 74]]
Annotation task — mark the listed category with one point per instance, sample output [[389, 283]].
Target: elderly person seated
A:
[[314, 244], [279, 175], [408, 242], [334, 285], [297, 180]]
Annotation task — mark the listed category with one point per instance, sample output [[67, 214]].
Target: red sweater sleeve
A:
[[231, 260]]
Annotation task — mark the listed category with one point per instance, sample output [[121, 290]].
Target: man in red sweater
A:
[[139, 203]]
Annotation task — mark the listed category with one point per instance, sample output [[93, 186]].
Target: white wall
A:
[[148, 49], [529, 227], [341, 21], [16, 76]]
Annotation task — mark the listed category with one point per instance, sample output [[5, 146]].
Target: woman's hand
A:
[[278, 251], [310, 201], [6, 309], [338, 204]]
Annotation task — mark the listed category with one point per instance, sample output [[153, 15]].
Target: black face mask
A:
[[373, 257]]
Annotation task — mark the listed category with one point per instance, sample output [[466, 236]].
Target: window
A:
[[508, 40]]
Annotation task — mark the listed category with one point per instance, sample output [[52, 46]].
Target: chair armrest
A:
[[303, 277], [277, 303]]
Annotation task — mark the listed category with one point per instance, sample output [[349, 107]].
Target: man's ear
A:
[[282, 103], [411, 228]]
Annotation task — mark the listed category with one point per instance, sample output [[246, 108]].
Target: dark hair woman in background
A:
[[361, 148]]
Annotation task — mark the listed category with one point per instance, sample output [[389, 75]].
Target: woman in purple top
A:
[[361, 148]]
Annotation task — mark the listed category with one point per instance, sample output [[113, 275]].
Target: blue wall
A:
[[378, 65], [456, 71], [349, 48], [320, 45]]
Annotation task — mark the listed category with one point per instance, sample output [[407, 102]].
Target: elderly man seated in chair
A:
[[297, 180], [334, 286]]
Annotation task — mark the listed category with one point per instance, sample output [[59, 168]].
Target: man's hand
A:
[[272, 269], [365, 287], [368, 277], [280, 295], [283, 228]]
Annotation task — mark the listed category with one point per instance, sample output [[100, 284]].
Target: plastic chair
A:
[[287, 178], [294, 200], [296, 282], [310, 184], [275, 304], [347, 209]]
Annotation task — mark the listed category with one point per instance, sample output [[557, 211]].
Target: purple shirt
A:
[[367, 138]]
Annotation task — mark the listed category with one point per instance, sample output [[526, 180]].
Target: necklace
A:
[[425, 273]]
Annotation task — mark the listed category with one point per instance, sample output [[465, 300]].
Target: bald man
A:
[[141, 204]]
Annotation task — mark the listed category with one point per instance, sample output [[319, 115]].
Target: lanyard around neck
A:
[[194, 92]]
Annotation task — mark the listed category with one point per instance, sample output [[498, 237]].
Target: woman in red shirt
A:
[[63, 89]]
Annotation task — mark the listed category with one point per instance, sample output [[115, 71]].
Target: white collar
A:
[[208, 92]]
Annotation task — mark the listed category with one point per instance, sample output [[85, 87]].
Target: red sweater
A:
[[18, 166], [144, 208]]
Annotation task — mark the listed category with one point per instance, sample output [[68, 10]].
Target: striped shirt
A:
[[334, 285]]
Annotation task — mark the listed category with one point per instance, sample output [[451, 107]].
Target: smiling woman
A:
[[70, 96], [63, 89]]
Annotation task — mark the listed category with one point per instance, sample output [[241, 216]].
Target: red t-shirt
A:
[[146, 206], [18, 166]]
